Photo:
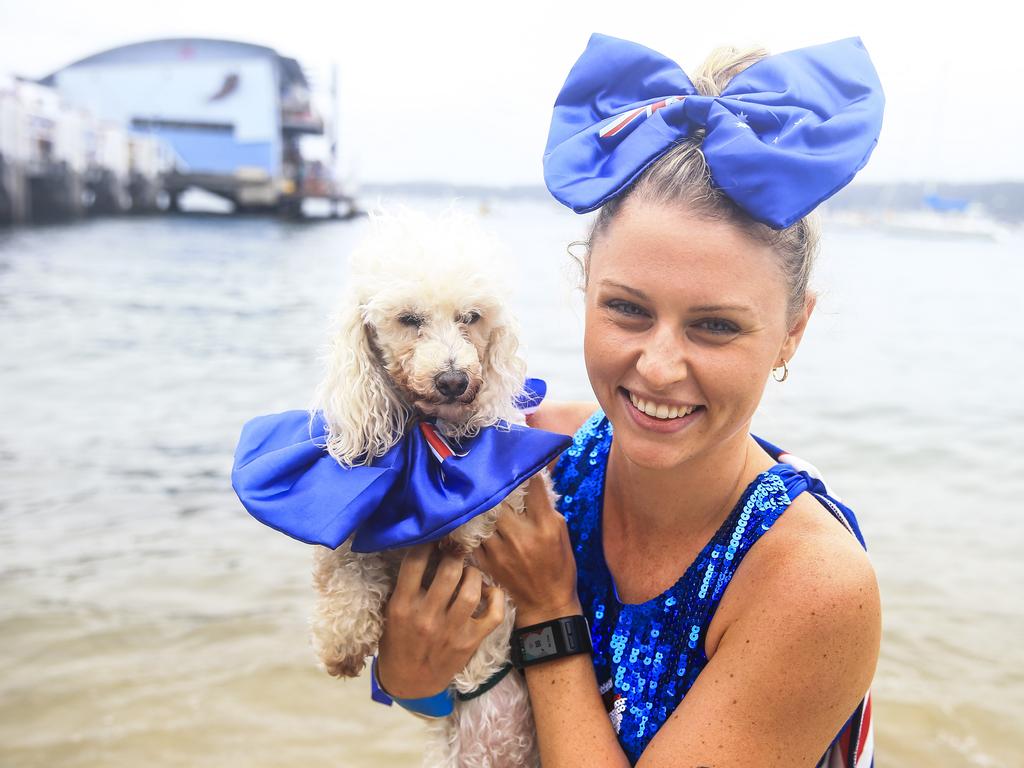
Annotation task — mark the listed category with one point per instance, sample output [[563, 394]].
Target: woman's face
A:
[[685, 318]]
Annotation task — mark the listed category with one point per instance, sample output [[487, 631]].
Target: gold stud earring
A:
[[785, 371]]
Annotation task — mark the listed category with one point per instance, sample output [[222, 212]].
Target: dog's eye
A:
[[469, 317], [411, 320]]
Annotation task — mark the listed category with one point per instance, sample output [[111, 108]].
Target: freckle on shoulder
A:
[[824, 565]]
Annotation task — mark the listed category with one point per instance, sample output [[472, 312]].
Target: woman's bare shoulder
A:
[[808, 544], [795, 660], [565, 416], [807, 558]]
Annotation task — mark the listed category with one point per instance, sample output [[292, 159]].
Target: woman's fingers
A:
[[538, 500], [493, 613], [484, 555], [467, 598], [446, 579], [410, 572]]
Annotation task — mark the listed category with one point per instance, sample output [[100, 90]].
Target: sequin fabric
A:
[[647, 655]]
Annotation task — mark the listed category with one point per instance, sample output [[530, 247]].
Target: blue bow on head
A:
[[786, 134]]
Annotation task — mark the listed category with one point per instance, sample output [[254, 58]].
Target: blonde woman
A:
[[732, 614]]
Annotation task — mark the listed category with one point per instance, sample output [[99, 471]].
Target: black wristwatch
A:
[[549, 640]]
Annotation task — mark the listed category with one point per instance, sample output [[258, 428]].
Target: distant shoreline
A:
[[1002, 200]]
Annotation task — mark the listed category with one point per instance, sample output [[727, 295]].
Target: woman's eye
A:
[[627, 308], [718, 326], [411, 320], [468, 318]]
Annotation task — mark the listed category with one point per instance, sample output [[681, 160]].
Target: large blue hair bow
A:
[[421, 489], [786, 134]]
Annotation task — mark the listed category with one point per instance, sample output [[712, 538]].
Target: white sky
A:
[[461, 91]]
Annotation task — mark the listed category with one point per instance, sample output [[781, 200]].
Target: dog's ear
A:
[[503, 373], [365, 417]]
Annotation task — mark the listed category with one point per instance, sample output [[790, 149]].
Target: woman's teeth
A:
[[661, 411]]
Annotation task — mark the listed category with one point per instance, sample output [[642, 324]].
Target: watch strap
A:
[[550, 640]]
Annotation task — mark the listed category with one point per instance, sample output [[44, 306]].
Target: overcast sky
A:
[[462, 91]]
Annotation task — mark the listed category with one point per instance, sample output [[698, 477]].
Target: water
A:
[[146, 619]]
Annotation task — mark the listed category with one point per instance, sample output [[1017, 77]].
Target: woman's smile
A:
[[659, 416]]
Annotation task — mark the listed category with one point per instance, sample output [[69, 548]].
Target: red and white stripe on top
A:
[[855, 747]]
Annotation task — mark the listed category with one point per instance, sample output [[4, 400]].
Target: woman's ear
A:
[[797, 328], [364, 416]]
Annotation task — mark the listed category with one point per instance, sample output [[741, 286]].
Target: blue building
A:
[[233, 114]]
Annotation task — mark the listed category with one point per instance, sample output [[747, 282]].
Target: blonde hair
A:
[[681, 177]]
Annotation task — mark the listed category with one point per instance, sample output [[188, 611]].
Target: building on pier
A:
[[234, 114]]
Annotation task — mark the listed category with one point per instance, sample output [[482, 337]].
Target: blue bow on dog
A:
[[420, 490], [786, 133]]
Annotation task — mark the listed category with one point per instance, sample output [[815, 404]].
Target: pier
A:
[[132, 129]]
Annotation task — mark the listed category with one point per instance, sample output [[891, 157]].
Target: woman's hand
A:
[[430, 633], [530, 556]]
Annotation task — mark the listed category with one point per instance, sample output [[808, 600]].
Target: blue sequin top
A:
[[647, 655]]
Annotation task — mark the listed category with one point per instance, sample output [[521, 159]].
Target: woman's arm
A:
[[530, 555], [783, 679], [573, 727]]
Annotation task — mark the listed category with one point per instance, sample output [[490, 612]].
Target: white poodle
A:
[[423, 331]]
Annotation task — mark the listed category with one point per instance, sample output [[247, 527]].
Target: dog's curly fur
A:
[[424, 299]]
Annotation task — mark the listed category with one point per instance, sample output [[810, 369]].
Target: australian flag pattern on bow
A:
[[619, 123]]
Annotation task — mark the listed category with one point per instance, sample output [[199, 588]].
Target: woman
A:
[[695, 284]]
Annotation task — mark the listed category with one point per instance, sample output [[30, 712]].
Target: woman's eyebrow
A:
[[701, 308], [636, 292], [721, 307]]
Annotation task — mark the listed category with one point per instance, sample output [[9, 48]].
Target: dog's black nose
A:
[[451, 383]]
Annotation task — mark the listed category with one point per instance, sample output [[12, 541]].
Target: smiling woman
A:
[[686, 316], [734, 616], [668, 353]]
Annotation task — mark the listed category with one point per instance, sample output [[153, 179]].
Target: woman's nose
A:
[[662, 360]]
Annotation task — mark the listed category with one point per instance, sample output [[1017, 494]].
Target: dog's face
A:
[[432, 336], [423, 329]]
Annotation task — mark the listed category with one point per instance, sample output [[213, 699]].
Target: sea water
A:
[[145, 618]]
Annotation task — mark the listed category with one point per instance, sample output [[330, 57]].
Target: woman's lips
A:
[[653, 423]]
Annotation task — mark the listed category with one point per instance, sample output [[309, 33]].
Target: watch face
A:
[[538, 645]]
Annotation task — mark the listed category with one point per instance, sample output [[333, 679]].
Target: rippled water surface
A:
[[146, 619]]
